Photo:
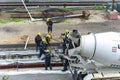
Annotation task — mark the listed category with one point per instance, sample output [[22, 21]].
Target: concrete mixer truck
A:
[[94, 52]]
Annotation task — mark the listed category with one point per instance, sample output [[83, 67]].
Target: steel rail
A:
[[31, 65], [81, 3], [22, 45]]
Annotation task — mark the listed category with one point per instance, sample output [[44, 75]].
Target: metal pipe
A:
[[17, 64], [26, 43], [27, 9]]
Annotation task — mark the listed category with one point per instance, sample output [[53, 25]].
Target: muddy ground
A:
[[15, 33]]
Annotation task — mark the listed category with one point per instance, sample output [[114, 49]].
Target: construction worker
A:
[[65, 40], [47, 40], [48, 37], [47, 59], [38, 39], [66, 32], [42, 48], [65, 49], [49, 23], [45, 43]]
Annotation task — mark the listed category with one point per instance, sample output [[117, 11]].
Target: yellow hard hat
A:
[[47, 51], [39, 33], [43, 40], [49, 36], [47, 19], [66, 31]]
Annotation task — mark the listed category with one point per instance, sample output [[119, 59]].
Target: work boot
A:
[[64, 70]]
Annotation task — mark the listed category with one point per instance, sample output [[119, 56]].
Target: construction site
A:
[[95, 22]]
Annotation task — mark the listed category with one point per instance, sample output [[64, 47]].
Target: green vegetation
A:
[[16, 19], [59, 20], [4, 21], [63, 20], [5, 77], [66, 9], [99, 7]]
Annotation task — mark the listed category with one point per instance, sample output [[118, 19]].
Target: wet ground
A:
[[41, 77], [36, 75]]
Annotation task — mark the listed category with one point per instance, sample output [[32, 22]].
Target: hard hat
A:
[[47, 19], [39, 33], [66, 31], [47, 51], [43, 40], [49, 36]]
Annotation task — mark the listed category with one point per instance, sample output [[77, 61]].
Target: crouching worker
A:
[[48, 38], [47, 59], [42, 48]]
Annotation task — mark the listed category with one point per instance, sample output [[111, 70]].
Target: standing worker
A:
[[65, 40], [49, 23], [47, 59], [38, 39], [65, 49]]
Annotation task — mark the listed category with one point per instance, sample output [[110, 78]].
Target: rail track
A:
[[35, 65], [5, 6], [65, 3], [82, 3], [14, 56], [22, 45]]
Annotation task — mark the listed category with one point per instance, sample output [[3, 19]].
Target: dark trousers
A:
[[37, 47], [40, 54], [65, 65], [46, 66], [48, 63], [49, 29], [64, 48]]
